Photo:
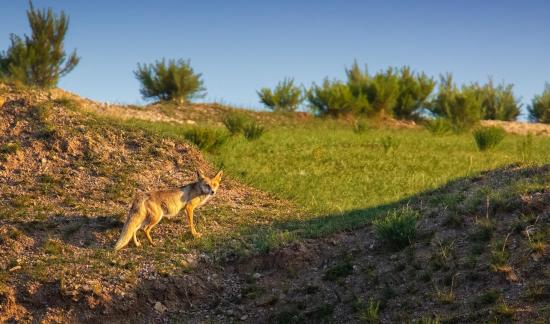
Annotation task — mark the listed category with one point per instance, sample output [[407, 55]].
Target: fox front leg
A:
[[189, 212]]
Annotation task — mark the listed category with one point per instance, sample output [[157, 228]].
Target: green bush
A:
[[539, 111], [414, 90], [239, 123], [285, 97], [40, 59], [461, 107], [169, 81], [335, 98], [488, 137], [498, 103], [235, 122], [379, 92], [398, 227], [206, 138], [252, 131], [438, 126], [391, 92]]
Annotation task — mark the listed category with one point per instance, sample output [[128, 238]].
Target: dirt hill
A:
[[67, 178]]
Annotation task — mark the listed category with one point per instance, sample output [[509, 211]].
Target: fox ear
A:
[[200, 175], [218, 175]]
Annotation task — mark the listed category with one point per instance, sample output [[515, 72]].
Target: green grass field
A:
[[327, 168], [341, 179]]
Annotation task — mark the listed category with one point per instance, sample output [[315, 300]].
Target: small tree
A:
[[462, 107], [39, 60], [169, 81], [414, 90], [539, 111], [285, 97], [497, 102], [335, 98]]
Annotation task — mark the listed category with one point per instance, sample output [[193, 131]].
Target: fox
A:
[[148, 209]]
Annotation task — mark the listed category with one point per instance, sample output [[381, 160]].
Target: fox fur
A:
[[147, 210]]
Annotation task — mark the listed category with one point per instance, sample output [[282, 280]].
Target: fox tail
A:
[[135, 218]]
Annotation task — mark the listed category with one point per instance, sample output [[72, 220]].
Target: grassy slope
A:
[[328, 170]]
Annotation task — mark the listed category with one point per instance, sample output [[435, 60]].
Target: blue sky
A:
[[241, 46]]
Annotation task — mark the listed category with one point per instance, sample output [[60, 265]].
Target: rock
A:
[[159, 307], [190, 122], [256, 275], [244, 317]]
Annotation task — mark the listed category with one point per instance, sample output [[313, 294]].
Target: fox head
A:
[[209, 186]]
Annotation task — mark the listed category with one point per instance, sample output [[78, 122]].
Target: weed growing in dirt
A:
[[488, 297], [368, 312], [339, 270], [398, 227], [67, 102]]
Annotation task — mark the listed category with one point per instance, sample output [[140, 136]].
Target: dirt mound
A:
[[66, 182]]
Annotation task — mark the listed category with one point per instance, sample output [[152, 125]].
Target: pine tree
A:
[[285, 97], [170, 81], [539, 111], [40, 59]]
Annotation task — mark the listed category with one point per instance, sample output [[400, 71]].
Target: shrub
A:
[[335, 98], [285, 97], [169, 81], [539, 111], [238, 123], [40, 59], [206, 138], [438, 126], [379, 92], [360, 126], [252, 131], [462, 107], [235, 123], [398, 227], [498, 103], [414, 90], [488, 137]]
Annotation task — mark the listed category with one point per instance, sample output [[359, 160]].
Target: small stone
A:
[[256, 275], [190, 122], [159, 307], [244, 317], [43, 160]]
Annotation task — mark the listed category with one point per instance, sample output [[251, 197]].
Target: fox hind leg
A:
[[136, 242], [148, 229], [156, 216]]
